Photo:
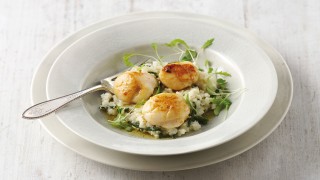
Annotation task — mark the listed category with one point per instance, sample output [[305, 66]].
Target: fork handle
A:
[[47, 107]]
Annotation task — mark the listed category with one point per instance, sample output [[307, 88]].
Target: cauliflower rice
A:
[[181, 92], [199, 98]]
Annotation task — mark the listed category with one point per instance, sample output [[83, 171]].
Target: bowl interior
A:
[[114, 64], [98, 55]]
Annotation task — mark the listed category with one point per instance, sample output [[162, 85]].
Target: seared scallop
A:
[[134, 87], [178, 76], [167, 110]]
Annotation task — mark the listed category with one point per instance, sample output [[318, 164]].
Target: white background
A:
[[29, 29]]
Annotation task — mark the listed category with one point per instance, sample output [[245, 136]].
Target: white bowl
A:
[[97, 55]]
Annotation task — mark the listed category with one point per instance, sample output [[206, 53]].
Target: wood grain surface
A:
[[29, 29]]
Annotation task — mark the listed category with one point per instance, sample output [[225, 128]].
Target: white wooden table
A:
[[28, 30]]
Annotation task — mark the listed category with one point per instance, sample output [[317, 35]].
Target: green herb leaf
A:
[[189, 120], [216, 101], [221, 83], [207, 63], [189, 55], [217, 110], [176, 42], [160, 88], [223, 73], [120, 120], [126, 59], [210, 91], [121, 125], [154, 73], [208, 43], [193, 110], [226, 103], [153, 128], [221, 104], [154, 46], [201, 120], [119, 110]]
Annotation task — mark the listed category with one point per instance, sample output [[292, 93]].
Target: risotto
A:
[[167, 99]]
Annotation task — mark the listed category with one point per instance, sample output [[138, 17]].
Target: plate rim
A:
[[206, 145], [43, 63]]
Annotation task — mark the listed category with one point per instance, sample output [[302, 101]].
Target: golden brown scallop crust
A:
[[168, 110], [166, 101], [178, 76]]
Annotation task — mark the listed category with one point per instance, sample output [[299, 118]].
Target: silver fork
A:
[[47, 107]]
